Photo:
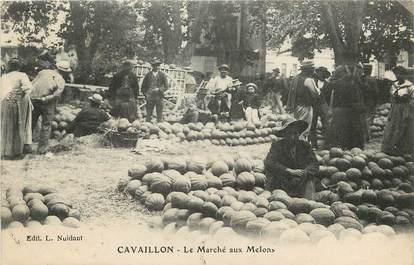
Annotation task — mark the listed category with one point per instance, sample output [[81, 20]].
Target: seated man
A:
[[196, 108], [89, 119], [291, 164], [219, 106]]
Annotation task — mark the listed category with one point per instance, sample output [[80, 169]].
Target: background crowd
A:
[[344, 102]]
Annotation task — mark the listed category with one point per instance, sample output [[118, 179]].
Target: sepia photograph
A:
[[207, 132]]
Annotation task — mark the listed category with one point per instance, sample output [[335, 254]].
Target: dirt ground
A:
[[88, 174]]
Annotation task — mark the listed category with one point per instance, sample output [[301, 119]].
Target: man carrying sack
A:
[[291, 164], [154, 85]]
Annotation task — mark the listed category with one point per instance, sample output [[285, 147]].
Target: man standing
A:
[[370, 97], [47, 88], [303, 94], [291, 164], [123, 93], [321, 108], [275, 87], [154, 85]]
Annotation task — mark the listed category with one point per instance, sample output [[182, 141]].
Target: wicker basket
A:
[[123, 139]]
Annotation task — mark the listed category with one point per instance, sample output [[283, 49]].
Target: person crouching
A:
[[89, 119], [219, 106], [291, 164]]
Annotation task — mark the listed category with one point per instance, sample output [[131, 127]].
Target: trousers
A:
[[47, 111], [158, 105]]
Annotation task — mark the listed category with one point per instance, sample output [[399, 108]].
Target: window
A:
[[284, 66], [294, 69]]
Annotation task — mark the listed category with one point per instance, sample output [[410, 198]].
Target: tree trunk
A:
[[201, 12], [79, 39]]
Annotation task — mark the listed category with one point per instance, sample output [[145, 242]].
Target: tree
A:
[[355, 30], [104, 30]]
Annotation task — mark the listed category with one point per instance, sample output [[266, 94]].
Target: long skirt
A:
[[347, 129], [304, 113], [16, 128], [399, 131]]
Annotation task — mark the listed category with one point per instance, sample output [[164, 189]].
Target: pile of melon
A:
[[380, 120], [237, 133], [65, 114], [34, 206], [227, 192]]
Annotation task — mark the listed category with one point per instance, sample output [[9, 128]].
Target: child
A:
[[251, 104], [219, 106]]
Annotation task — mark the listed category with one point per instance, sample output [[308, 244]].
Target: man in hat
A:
[[123, 92], [221, 82], [321, 107], [219, 106], [236, 99], [303, 95], [291, 164], [89, 118], [190, 82], [370, 97], [154, 85], [275, 86], [47, 89]]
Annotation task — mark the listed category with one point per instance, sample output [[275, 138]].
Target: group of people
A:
[[24, 101], [223, 100], [346, 104]]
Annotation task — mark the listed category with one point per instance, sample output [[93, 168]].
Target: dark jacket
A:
[[369, 92], [251, 100], [280, 158], [214, 107], [124, 86], [151, 82], [299, 94], [87, 121]]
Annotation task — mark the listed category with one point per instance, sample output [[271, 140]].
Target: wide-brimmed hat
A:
[[236, 82], [188, 69], [63, 66], [155, 61], [96, 98], [324, 70], [224, 66], [307, 65], [251, 85], [291, 125], [277, 70]]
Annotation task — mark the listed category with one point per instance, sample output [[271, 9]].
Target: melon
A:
[[39, 212], [182, 216], [154, 165], [20, 212], [74, 213], [240, 219], [52, 220], [6, 216], [193, 221], [259, 179], [196, 164], [323, 216], [198, 182], [161, 185], [353, 174], [255, 227], [195, 204], [181, 184], [342, 164], [155, 201], [15, 224], [338, 176], [385, 163], [30, 196], [286, 213], [273, 230], [178, 200], [348, 222], [294, 236], [274, 216], [205, 224], [336, 152], [245, 180], [228, 180], [242, 165], [260, 212], [214, 182], [139, 192], [214, 227], [214, 198], [304, 218], [137, 172], [209, 209], [369, 196], [258, 166], [299, 205], [276, 205], [132, 186], [178, 164], [262, 202], [33, 224], [219, 168], [71, 222], [227, 200]]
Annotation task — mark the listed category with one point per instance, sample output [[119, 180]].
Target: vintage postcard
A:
[[207, 132]]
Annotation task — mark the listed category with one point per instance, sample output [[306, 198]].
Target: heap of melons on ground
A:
[[236, 133], [228, 193], [380, 120], [65, 114], [34, 206]]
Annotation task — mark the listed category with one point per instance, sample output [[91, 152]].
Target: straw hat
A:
[[251, 85], [96, 98], [224, 67], [307, 65], [155, 61], [291, 125], [63, 66], [236, 82]]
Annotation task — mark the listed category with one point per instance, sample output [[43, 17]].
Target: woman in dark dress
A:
[[346, 128], [237, 97]]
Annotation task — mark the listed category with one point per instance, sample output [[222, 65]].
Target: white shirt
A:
[[311, 85], [220, 83], [14, 81], [403, 89]]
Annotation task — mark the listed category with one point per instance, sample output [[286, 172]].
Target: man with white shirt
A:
[[303, 94], [222, 81], [321, 108]]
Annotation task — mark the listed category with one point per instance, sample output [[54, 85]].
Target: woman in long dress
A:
[[399, 131], [16, 111]]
